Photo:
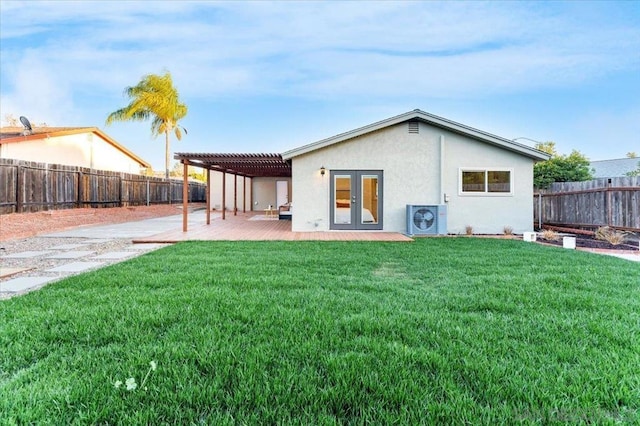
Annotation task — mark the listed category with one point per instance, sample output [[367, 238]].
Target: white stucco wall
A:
[[412, 175], [264, 192], [216, 192], [83, 150], [487, 214]]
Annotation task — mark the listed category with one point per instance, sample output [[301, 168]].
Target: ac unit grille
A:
[[426, 219]]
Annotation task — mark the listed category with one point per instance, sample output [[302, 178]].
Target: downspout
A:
[[443, 196]]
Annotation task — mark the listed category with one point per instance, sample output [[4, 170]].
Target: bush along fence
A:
[[30, 187], [613, 202]]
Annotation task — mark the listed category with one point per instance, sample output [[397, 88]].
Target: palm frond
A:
[[155, 98]]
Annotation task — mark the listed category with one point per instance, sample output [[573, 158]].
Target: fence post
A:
[[19, 203], [120, 191], [169, 194], [609, 212], [79, 195], [148, 192], [540, 221]]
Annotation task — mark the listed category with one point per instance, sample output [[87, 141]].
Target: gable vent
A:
[[413, 127]]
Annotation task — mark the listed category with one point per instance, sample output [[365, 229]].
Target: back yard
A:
[[453, 330]]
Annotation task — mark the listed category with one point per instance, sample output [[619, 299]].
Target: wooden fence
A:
[[30, 187], [601, 202]]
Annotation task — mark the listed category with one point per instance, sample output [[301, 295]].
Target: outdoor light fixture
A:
[[322, 171]]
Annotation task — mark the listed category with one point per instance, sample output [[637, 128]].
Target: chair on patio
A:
[[285, 211]]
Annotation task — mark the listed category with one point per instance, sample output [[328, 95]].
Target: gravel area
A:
[[46, 244], [27, 232], [40, 265]]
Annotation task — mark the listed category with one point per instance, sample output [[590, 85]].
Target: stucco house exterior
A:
[[365, 178], [74, 146], [249, 193], [614, 168]]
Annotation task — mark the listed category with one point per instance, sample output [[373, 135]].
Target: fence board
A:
[[600, 202], [30, 187]]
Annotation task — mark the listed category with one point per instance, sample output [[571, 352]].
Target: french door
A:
[[356, 199]]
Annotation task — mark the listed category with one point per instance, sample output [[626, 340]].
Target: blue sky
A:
[[272, 76]]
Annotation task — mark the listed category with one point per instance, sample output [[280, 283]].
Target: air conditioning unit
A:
[[426, 220]]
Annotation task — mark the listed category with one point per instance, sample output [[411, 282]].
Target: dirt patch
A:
[[592, 243], [23, 225]]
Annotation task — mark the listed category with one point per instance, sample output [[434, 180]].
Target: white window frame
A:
[[486, 193]]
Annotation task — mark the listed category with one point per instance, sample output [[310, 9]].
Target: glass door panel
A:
[[369, 201], [342, 194]]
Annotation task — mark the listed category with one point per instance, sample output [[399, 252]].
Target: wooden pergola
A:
[[244, 165]]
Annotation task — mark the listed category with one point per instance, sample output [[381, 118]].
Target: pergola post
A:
[[235, 195], [185, 194], [244, 194], [208, 196], [224, 194]]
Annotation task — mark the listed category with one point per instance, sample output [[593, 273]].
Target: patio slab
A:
[[23, 283], [116, 255], [71, 254], [75, 267], [68, 246]]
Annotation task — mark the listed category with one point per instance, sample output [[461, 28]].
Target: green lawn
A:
[[442, 330]]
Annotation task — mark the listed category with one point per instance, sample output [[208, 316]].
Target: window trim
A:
[[486, 171]]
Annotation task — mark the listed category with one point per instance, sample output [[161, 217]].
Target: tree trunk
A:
[[166, 154]]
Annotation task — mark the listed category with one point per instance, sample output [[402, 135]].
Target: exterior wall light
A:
[[322, 171]]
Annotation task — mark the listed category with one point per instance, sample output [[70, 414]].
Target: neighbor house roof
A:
[[17, 135], [251, 165], [614, 168], [418, 115]]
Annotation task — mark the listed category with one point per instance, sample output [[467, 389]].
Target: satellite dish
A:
[[25, 122]]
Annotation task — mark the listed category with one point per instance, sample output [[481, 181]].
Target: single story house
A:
[[73, 146], [614, 168], [413, 173]]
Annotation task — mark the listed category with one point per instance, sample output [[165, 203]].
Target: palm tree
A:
[[154, 97]]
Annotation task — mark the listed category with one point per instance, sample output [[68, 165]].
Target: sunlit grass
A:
[[440, 330]]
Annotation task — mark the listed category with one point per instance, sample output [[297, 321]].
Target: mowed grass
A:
[[441, 330]]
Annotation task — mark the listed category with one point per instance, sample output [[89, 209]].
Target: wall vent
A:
[[413, 127]]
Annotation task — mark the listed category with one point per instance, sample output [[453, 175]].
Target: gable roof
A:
[[434, 120], [614, 168], [17, 135]]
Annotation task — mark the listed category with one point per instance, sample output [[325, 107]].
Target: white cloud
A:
[[69, 62], [321, 50], [37, 92]]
